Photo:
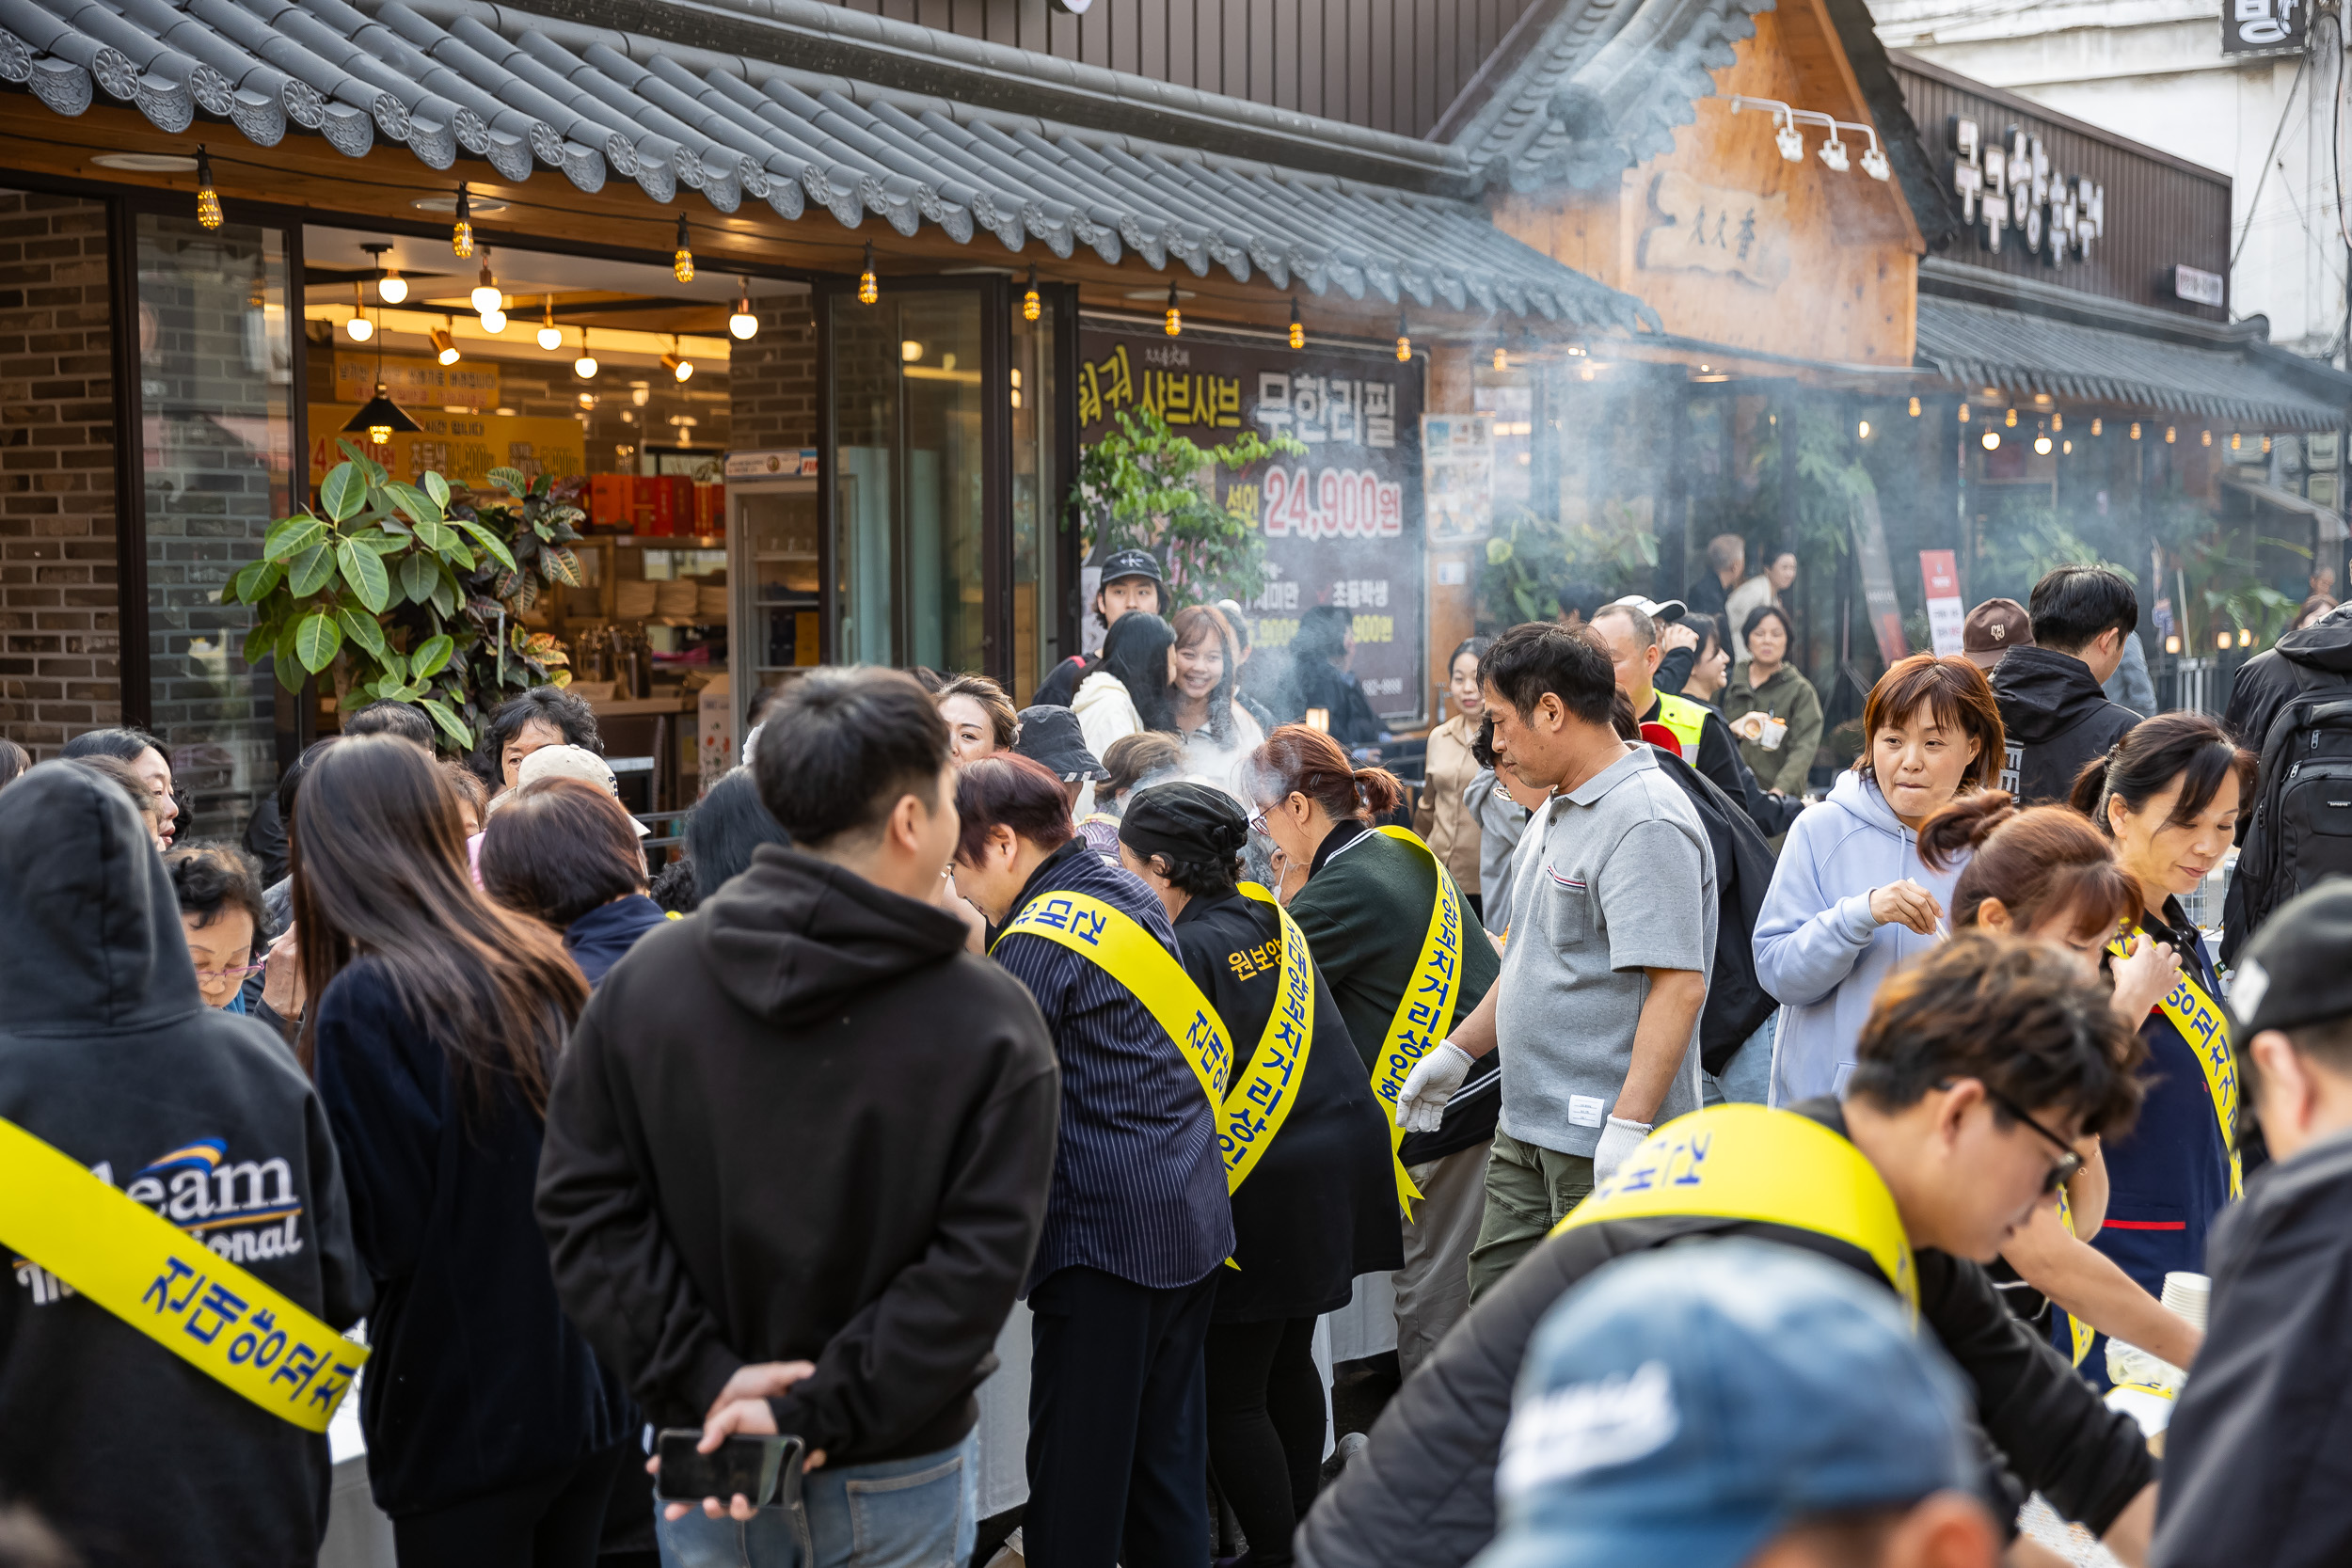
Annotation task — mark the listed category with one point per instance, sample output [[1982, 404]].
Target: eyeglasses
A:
[[230, 973], [2067, 1161], [1257, 820]]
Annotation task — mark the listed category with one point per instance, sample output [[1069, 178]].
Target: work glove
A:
[[1421, 1104], [1618, 1140]]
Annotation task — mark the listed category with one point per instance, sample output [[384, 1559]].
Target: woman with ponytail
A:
[[2047, 874], [2167, 796], [1364, 908]]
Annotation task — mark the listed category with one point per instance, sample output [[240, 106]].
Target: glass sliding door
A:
[[215, 400], [1036, 540]]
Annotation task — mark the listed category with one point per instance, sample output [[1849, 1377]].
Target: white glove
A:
[[1618, 1140], [1421, 1104]]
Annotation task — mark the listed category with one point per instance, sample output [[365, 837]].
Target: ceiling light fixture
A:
[[486, 295], [1298, 328], [745, 325], [868, 288], [207, 199], [682, 258], [381, 418], [550, 335], [585, 366], [1175, 316], [1032, 305], [1404, 340], [677, 363], [1992, 439], [358, 326], [444, 344], [390, 286], [461, 226], [1914, 408]]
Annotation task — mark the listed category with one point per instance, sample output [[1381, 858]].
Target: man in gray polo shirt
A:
[[1612, 922]]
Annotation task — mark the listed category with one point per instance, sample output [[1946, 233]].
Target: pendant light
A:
[[551, 337], [1175, 315], [1404, 340], [869, 289], [380, 418], [444, 344], [207, 199], [1031, 306], [585, 366], [1298, 328], [682, 258], [390, 288], [461, 227], [486, 297], [359, 328], [677, 363], [745, 325]]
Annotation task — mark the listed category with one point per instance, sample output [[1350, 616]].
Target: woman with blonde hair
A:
[[980, 718]]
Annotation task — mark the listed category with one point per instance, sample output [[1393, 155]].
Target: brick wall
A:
[[58, 640], [774, 377]]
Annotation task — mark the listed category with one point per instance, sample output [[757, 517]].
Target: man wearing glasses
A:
[[1983, 1073]]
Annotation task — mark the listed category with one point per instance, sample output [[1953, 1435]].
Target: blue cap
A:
[[1686, 1405]]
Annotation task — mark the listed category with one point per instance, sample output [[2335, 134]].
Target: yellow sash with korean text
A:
[[170, 1286], [2206, 1028], [1424, 1015], [1772, 1167], [1262, 1096]]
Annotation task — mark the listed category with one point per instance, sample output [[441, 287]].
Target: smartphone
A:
[[750, 1467]]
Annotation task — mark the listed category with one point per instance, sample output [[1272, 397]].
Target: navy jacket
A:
[[1138, 1184], [479, 1382], [597, 940]]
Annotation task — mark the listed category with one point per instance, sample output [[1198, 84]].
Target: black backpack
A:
[[2301, 830]]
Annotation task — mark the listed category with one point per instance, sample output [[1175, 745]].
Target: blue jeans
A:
[[919, 1513], [1748, 1076]]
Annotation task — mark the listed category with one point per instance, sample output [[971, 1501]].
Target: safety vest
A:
[[1424, 1014], [1685, 720], [1766, 1166]]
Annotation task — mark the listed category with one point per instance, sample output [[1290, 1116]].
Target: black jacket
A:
[[1060, 684], [2269, 680], [107, 1052], [1321, 684], [1319, 1207], [2257, 1469], [1424, 1492], [479, 1383], [2055, 719], [1737, 1002], [803, 1123]]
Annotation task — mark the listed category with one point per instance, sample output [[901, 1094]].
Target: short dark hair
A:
[[553, 705], [2072, 606], [556, 849], [1537, 657], [1706, 627], [1955, 694], [403, 720], [841, 747], [121, 742], [2017, 1015], [1583, 600], [1009, 791], [2328, 1043], [118, 772], [1764, 612], [2184, 744], [1475, 647], [726, 830], [209, 878]]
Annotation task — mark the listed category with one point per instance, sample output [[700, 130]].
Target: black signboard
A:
[[1342, 524], [2264, 26]]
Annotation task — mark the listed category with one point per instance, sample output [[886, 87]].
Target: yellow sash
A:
[[1774, 1167], [1252, 1113], [170, 1286], [2207, 1029], [1424, 1014], [2078, 1333]]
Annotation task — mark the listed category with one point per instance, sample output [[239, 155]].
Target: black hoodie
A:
[[2313, 659], [2055, 718], [803, 1124], [108, 1053]]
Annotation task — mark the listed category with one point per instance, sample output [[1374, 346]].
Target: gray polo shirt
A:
[[1622, 881]]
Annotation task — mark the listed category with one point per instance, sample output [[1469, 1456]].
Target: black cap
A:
[[1133, 563], [1050, 737], [1184, 821], [2294, 971]]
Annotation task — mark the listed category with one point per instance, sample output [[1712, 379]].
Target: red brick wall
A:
[[58, 640]]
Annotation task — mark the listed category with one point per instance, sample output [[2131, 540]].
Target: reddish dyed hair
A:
[[1009, 790], [1955, 692], [2039, 861], [1296, 760]]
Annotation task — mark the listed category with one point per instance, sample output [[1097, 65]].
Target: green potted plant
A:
[[1143, 486]]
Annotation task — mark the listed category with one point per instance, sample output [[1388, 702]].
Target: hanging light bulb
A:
[[2206, 440], [869, 290], [1503, 361], [1914, 408], [2169, 432], [381, 418], [1992, 439], [444, 345], [1298, 328], [461, 228], [2134, 430], [1404, 340], [495, 323], [2010, 419], [2041, 446], [551, 337], [1862, 430], [2098, 427], [585, 366], [682, 258], [486, 295], [1175, 316], [358, 326], [1031, 306], [677, 363], [743, 326], [1963, 413], [207, 199], [391, 288]]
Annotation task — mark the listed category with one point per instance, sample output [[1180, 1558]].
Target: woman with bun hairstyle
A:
[[1364, 908], [2167, 796], [2047, 874], [1313, 1211]]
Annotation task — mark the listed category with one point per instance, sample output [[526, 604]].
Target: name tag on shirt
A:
[[1585, 1111]]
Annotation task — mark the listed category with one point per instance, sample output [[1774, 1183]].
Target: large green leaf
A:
[[363, 569], [365, 630], [291, 536], [489, 542], [445, 595], [435, 534], [255, 579], [418, 573], [344, 492], [384, 541], [430, 656], [317, 640], [509, 480], [395, 668], [438, 487], [310, 570], [411, 501], [559, 565], [450, 723], [289, 673]]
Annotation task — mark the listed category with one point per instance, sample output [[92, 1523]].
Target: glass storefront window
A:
[[1036, 519], [216, 436]]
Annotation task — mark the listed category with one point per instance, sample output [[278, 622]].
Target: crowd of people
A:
[[1637, 1074]]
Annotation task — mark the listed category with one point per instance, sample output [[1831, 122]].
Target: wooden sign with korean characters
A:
[[1715, 228]]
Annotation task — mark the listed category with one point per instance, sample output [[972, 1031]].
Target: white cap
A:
[[1668, 610], [573, 762]]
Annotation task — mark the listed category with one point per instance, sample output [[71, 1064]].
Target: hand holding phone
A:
[[741, 1473]]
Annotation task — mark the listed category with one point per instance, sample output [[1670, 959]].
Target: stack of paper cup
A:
[[2188, 1295]]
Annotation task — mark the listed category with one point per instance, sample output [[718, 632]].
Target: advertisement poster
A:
[[1458, 464], [1343, 525], [461, 447], [1878, 578], [1940, 574]]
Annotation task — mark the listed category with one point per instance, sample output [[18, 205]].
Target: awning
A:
[[526, 91], [2331, 527], [1977, 345]]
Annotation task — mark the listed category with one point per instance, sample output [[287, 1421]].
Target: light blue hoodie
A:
[[1818, 950]]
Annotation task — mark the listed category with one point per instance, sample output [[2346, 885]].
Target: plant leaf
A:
[[438, 487], [445, 595], [395, 668], [498, 552], [289, 673], [317, 640], [509, 480], [558, 564], [411, 501], [344, 492], [430, 656], [383, 541], [255, 579], [417, 575], [365, 630], [363, 569], [289, 536], [310, 569], [450, 723], [435, 534]]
